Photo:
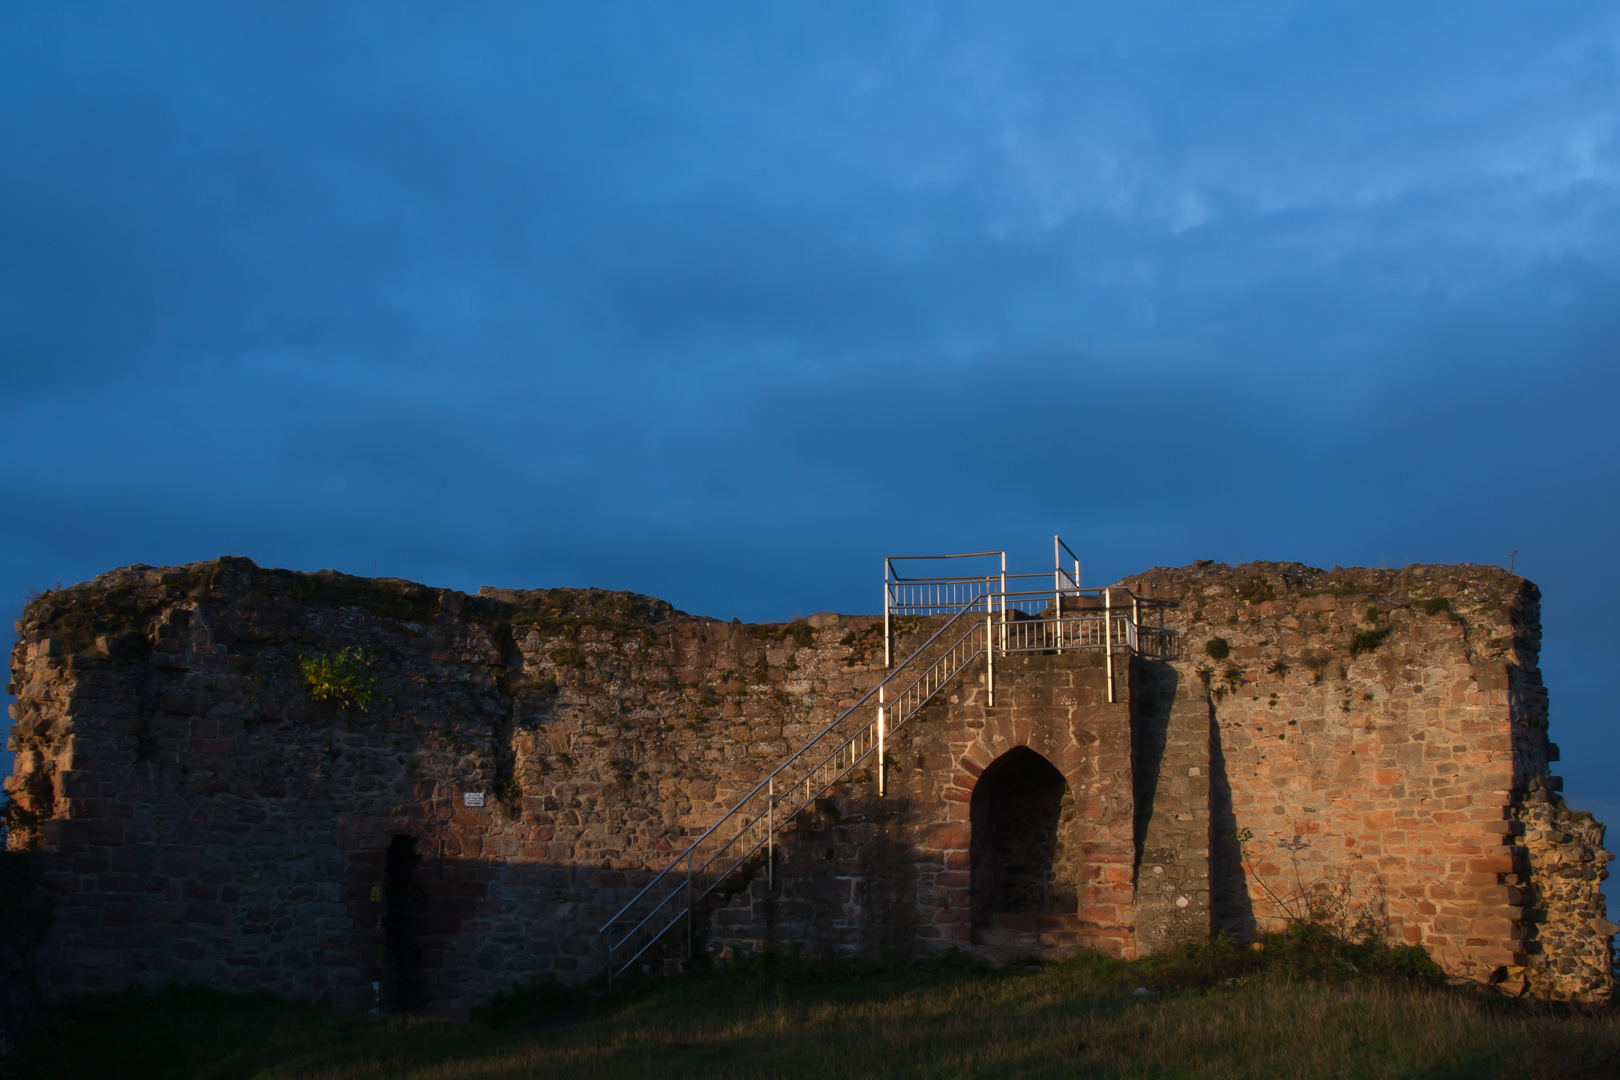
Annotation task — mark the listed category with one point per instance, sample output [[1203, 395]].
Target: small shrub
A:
[[342, 678], [799, 630], [1436, 605], [1278, 667], [1218, 648], [1416, 964], [1234, 677], [1257, 590], [1365, 641]]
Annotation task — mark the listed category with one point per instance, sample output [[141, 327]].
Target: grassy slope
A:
[[1215, 1014]]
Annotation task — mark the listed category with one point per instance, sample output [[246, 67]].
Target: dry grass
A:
[[1079, 1019]]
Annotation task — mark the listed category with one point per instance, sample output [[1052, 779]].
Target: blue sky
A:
[[723, 303]]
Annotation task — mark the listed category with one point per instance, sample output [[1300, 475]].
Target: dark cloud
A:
[[724, 302]]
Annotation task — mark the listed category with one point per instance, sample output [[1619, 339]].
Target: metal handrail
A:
[[1056, 634], [1059, 549], [959, 578], [1022, 600], [894, 700], [855, 747]]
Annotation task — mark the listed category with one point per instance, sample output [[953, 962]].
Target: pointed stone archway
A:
[[1052, 728], [1025, 850]]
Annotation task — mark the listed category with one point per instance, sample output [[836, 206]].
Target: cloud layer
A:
[[724, 302]]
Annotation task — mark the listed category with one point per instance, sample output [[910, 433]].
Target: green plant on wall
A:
[[1364, 641], [343, 678], [1217, 648], [1257, 590]]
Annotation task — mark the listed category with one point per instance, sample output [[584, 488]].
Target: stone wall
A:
[[208, 821], [1172, 750], [1378, 739], [869, 875], [1557, 886]]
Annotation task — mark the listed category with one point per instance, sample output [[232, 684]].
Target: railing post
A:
[[888, 659], [881, 717], [690, 904], [1108, 639], [880, 769], [989, 658], [1057, 593], [1057, 596], [1003, 601], [770, 830], [607, 941]]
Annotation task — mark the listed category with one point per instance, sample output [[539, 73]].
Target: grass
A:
[[1301, 1008]]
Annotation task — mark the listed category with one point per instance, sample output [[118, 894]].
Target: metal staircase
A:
[[985, 620]]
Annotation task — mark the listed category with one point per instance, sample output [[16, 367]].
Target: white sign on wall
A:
[[472, 798]]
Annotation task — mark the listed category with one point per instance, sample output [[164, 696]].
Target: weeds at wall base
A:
[[1224, 1009], [1305, 952]]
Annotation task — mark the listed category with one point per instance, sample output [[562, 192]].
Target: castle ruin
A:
[[565, 783]]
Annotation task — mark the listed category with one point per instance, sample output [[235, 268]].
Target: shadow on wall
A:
[[1153, 691], [24, 918], [437, 933], [1230, 907], [413, 926], [845, 885]]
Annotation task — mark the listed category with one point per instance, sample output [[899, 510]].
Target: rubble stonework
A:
[[1377, 740], [1370, 749], [1558, 888]]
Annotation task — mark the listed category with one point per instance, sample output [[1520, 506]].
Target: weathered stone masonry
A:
[[1371, 748]]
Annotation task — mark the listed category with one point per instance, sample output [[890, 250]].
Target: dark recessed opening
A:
[[1024, 852], [402, 907]]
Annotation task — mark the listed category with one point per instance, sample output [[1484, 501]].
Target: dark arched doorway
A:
[[1025, 853]]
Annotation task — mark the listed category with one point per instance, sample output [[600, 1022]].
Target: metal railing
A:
[[854, 739], [1060, 633], [986, 619], [1007, 593]]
